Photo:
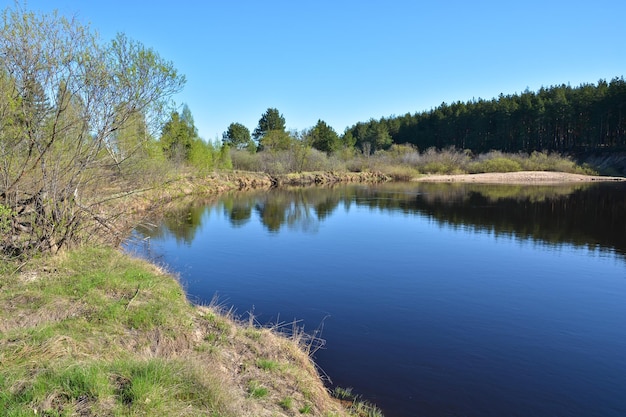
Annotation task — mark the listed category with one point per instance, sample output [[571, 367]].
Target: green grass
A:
[[76, 326], [267, 364], [256, 390], [286, 403]]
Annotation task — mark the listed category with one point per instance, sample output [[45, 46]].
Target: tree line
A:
[[556, 119], [561, 119], [271, 134]]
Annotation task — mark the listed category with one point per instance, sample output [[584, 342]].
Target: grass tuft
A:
[[286, 403], [267, 364], [256, 390]]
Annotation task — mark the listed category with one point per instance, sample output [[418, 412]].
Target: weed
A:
[[267, 364], [256, 390], [306, 409], [343, 393], [253, 333], [365, 409], [286, 403]]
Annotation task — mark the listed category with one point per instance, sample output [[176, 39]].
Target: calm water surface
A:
[[433, 300]]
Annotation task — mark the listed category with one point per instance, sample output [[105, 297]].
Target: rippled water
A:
[[433, 300]]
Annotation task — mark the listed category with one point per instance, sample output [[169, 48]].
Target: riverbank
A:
[[96, 332], [521, 177], [154, 199], [220, 183]]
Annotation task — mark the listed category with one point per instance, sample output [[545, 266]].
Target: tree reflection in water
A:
[[589, 215]]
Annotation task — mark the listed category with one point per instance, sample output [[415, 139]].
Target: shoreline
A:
[[521, 177]]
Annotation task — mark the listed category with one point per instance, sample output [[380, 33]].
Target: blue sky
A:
[[349, 61]]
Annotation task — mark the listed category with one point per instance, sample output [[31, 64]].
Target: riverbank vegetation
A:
[[405, 162]]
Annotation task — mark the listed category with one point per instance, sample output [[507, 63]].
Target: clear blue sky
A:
[[349, 61]]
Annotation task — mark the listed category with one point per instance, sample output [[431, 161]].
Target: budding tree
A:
[[66, 104]]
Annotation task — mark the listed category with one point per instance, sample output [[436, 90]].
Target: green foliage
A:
[[74, 114], [556, 119], [6, 219], [543, 161], [267, 364], [178, 135], [348, 140], [201, 156], [245, 161], [370, 137], [324, 138], [224, 159], [182, 145], [238, 137], [271, 120], [275, 140], [500, 164], [286, 403], [256, 390]]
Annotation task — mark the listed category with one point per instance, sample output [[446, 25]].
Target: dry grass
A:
[[95, 332]]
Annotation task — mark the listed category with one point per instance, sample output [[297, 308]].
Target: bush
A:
[[401, 162], [499, 164], [446, 161], [400, 172], [244, 160]]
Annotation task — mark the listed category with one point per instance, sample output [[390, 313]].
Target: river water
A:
[[432, 299]]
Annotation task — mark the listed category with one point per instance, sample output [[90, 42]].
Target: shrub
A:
[[446, 161], [499, 164], [400, 172], [244, 160]]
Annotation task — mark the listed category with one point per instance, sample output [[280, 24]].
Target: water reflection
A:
[[425, 309], [590, 215]]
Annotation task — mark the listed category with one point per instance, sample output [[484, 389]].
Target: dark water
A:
[[434, 300]]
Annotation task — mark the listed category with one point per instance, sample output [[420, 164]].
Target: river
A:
[[432, 299]]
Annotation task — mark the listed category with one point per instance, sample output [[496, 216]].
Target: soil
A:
[[523, 177]]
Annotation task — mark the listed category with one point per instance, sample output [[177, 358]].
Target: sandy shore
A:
[[523, 177]]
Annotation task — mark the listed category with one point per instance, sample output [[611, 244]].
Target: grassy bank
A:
[[96, 332]]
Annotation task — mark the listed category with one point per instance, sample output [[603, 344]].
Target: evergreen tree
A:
[[178, 135], [558, 118], [237, 136], [324, 138], [271, 120]]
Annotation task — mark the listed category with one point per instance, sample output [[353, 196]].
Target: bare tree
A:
[[64, 97]]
